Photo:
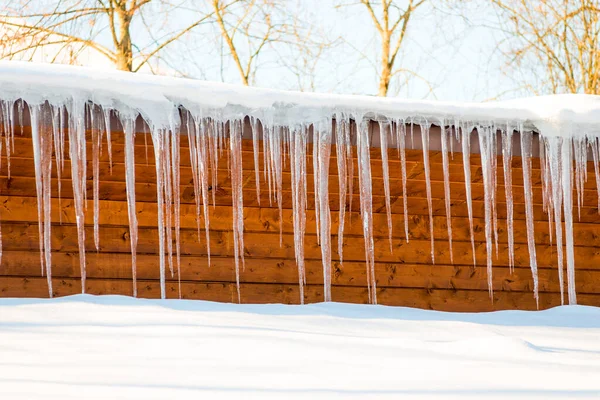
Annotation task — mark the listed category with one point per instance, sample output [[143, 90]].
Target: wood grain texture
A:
[[405, 276]]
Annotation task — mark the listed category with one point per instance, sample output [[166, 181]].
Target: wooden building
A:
[[405, 275]]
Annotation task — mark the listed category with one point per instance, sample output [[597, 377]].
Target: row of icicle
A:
[[209, 135]]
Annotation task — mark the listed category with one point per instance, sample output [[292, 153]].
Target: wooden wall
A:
[[405, 277]]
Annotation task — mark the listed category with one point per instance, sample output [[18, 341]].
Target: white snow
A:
[[155, 97], [85, 347]]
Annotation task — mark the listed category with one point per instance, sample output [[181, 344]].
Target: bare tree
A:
[[104, 26], [555, 41], [391, 22], [247, 29]]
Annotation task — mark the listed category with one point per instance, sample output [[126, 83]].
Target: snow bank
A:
[[123, 348]]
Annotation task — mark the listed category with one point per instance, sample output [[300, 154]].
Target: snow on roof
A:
[[157, 97]]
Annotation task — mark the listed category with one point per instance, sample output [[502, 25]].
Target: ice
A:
[[567, 189], [77, 154], [254, 125], [366, 203], [323, 132], [466, 151], [595, 144], [401, 143], [485, 145], [342, 141], [159, 156], [128, 123], [298, 172], [96, 144], [446, 169], [235, 162], [41, 135], [526, 153], [383, 138], [507, 153], [425, 141], [555, 170]]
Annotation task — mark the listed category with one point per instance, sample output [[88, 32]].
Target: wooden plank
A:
[[436, 299], [17, 236], [24, 167], [18, 209], [270, 271], [110, 190]]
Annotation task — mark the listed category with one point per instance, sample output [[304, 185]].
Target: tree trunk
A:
[[124, 50], [386, 67]]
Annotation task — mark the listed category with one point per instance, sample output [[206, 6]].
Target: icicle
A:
[[168, 188], [235, 153], [401, 141], [526, 147], [324, 133], [494, 178], [547, 202], [466, 153], [42, 154], [128, 123], [556, 198], [350, 169], [596, 156], [567, 187], [77, 152], [298, 172], [106, 113], [366, 204], [176, 197], [507, 164], [316, 171], [485, 145], [96, 143], [203, 162], [159, 156], [580, 154], [341, 137], [383, 137], [255, 138], [446, 169], [425, 141]]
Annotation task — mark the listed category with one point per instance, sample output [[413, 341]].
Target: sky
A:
[[449, 52]]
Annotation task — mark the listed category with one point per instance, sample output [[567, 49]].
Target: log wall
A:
[[405, 277]]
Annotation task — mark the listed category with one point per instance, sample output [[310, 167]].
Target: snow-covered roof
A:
[[156, 98]]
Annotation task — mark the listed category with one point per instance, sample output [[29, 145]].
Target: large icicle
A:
[[401, 143], [446, 169], [77, 153], [526, 150], [235, 152], [366, 203], [324, 132], [342, 139], [556, 199], [383, 137], [128, 123], [485, 145], [466, 153], [159, 158], [425, 142], [298, 172], [507, 151], [42, 154], [567, 188]]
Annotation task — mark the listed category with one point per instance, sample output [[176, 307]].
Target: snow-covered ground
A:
[[85, 347]]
